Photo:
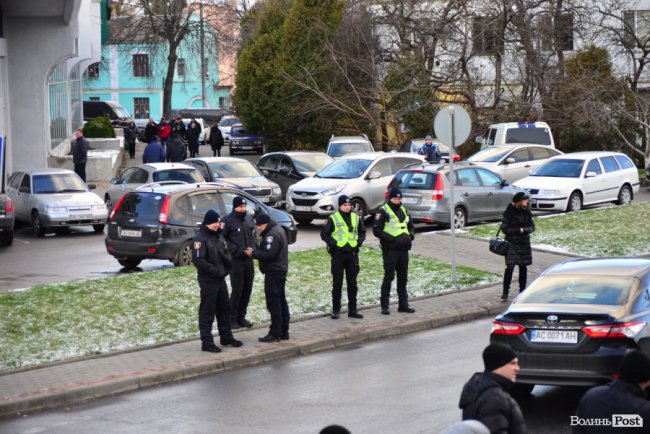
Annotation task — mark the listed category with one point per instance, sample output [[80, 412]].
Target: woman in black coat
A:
[[517, 225], [192, 134], [130, 136], [216, 140]]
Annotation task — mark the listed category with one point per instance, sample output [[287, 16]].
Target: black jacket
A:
[[150, 132], [326, 234], [514, 219], [387, 241], [239, 233], [619, 397], [80, 151], [485, 399], [210, 256], [192, 134], [216, 138], [176, 151], [273, 253], [130, 134]]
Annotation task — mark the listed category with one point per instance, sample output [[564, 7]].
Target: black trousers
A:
[[216, 151], [395, 262], [507, 277], [214, 302], [241, 282], [348, 263], [131, 147], [80, 169], [276, 302]]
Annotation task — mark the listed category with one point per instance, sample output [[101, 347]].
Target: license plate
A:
[[409, 200], [554, 336], [303, 208], [265, 199], [247, 147], [130, 233], [80, 217]]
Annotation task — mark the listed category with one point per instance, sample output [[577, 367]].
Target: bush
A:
[[100, 127]]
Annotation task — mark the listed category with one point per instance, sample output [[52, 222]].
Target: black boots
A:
[[210, 347]]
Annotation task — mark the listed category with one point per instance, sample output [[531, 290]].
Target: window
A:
[[488, 178], [468, 178], [624, 162], [594, 167], [202, 202], [135, 176], [141, 107], [636, 30], [222, 102], [180, 67], [269, 162], [285, 165], [520, 155], [93, 70], [94, 98], [609, 164], [485, 35], [383, 167], [15, 179], [141, 65], [25, 185], [540, 153]]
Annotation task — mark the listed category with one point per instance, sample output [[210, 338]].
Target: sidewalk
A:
[[74, 382]]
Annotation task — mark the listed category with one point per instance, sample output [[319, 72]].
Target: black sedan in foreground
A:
[[576, 321]]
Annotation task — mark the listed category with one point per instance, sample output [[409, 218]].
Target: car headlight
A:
[[100, 208], [277, 190], [549, 193], [333, 190], [258, 142], [55, 209]]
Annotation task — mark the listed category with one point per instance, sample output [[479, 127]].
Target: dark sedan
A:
[[7, 219], [241, 140], [576, 321], [287, 168]]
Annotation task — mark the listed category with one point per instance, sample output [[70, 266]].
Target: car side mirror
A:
[[479, 139], [375, 174], [510, 160], [591, 175], [504, 183], [114, 180]]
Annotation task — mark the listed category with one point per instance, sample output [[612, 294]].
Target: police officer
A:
[[344, 234], [239, 233], [273, 256], [212, 261], [395, 231]]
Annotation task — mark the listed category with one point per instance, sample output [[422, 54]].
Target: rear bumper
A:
[[121, 249], [429, 216]]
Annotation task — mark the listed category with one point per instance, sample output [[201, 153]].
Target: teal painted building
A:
[[133, 74]]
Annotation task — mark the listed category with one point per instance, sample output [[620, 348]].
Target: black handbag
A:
[[499, 245]]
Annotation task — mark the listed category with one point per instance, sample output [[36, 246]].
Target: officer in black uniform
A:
[[239, 233], [212, 261], [393, 227], [273, 256], [344, 234]]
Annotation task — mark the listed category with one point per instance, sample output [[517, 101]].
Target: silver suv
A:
[[339, 146], [362, 177]]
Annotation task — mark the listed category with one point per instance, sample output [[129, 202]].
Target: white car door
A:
[[612, 178], [513, 171], [377, 186], [594, 186]]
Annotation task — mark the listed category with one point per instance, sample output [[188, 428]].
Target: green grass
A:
[[54, 322]]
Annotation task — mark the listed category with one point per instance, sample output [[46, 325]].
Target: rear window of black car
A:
[[596, 290], [144, 207], [414, 180]]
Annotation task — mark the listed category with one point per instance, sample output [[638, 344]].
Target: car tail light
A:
[[10, 206], [164, 211], [456, 157], [438, 190], [116, 208], [621, 330], [506, 328]]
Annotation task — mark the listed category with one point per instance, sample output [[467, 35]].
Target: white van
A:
[[510, 133]]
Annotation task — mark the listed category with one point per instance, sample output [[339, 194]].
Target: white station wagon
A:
[[570, 181]]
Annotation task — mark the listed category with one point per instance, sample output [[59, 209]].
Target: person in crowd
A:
[[216, 140], [344, 233], [193, 133], [393, 226], [485, 396], [517, 225], [150, 131], [153, 152], [273, 257], [176, 151], [80, 154], [626, 395], [430, 151], [212, 261], [164, 131], [182, 129], [130, 137], [239, 233]]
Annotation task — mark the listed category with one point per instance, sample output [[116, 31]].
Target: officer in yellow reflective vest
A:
[[395, 231], [344, 234]]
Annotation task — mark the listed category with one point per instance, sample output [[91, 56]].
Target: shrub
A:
[[100, 127]]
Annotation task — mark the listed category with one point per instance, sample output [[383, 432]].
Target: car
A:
[[509, 133], [479, 194], [287, 168], [7, 219], [339, 146], [141, 174], [204, 137], [55, 198], [414, 146], [513, 162], [225, 125], [362, 177], [159, 222], [140, 125], [568, 182], [241, 140], [238, 173], [117, 114], [575, 322]]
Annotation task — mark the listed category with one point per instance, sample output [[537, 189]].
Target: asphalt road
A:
[[415, 389]]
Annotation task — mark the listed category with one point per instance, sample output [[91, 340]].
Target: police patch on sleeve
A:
[[377, 216], [197, 245], [269, 241]]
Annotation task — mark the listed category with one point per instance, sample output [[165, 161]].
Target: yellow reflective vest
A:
[[394, 227], [341, 234]]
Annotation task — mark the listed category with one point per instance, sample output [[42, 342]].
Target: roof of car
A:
[[166, 166], [47, 171], [588, 154], [377, 155], [637, 267], [348, 139], [291, 153], [169, 188], [216, 159]]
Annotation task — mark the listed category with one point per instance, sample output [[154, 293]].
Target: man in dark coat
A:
[[430, 151], [239, 233], [212, 261], [130, 137], [517, 225], [626, 395], [150, 131], [216, 140], [80, 154], [273, 256], [176, 148], [485, 397], [193, 133], [393, 226], [153, 152], [182, 129]]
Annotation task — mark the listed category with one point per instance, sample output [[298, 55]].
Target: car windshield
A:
[[598, 290], [344, 169], [186, 175], [228, 121], [560, 168], [120, 111], [311, 162], [58, 183], [490, 155], [339, 149], [233, 169], [540, 136]]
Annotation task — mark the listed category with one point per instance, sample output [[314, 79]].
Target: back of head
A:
[[496, 355], [334, 429]]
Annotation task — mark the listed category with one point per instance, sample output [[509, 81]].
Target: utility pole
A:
[[203, 65]]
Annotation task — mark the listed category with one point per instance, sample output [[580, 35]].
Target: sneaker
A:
[[406, 309], [245, 323], [385, 311], [269, 338], [334, 315], [211, 348], [232, 342], [355, 314]]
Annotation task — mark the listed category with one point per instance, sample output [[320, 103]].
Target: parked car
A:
[[7, 219], [118, 115], [511, 133], [225, 125], [513, 162], [238, 173], [241, 140], [339, 146], [414, 146], [287, 168], [55, 198], [568, 182], [135, 176], [479, 194], [576, 321], [363, 177], [159, 222]]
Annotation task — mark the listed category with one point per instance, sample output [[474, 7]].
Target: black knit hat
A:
[[238, 201], [394, 192], [519, 196], [211, 217], [634, 368], [496, 355], [343, 199], [262, 219]]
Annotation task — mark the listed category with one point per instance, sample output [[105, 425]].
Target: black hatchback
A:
[[159, 222]]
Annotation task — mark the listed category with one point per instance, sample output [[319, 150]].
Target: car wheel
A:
[[624, 196], [184, 256], [37, 224], [575, 202], [460, 218], [7, 238], [129, 263], [98, 228], [108, 203], [359, 207], [303, 220]]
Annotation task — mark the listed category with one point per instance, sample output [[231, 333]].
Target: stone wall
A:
[[104, 157]]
